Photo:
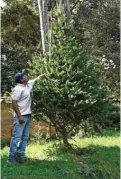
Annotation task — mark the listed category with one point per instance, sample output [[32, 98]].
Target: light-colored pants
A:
[[19, 137]]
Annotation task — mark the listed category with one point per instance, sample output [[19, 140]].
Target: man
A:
[[21, 102]]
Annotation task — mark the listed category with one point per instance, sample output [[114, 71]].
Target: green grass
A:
[[99, 156]]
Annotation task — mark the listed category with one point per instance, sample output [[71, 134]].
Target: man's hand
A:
[[17, 111], [41, 77], [21, 119]]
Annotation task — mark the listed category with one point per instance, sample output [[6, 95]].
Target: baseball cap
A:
[[18, 77]]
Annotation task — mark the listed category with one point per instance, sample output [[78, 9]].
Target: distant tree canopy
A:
[[98, 21], [14, 59], [20, 39]]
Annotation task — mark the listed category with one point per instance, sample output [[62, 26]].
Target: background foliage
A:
[[83, 69]]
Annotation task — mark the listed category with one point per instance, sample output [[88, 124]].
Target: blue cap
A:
[[18, 77]]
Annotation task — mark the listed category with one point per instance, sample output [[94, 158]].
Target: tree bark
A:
[[65, 139], [44, 23], [50, 38], [67, 9], [59, 3], [41, 25]]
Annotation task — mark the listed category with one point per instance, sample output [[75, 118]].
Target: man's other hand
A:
[[21, 119]]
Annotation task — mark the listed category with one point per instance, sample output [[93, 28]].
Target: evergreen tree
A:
[[71, 93]]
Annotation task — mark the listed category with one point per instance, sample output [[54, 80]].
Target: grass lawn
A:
[[99, 158]]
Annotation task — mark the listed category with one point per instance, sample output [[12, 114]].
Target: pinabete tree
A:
[[71, 93]]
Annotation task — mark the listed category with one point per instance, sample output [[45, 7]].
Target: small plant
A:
[[37, 137]]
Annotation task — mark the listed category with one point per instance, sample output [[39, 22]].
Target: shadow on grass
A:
[[38, 169], [98, 162], [108, 133], [92, 149], [5, 143], [103, 160]]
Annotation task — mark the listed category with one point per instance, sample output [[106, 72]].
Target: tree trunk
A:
[[67, 9], [65, 139], [41, 25], [44, 23], [50, 39], [59, 3]]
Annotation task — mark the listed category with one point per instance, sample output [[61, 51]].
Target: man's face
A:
[[24, 79]]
